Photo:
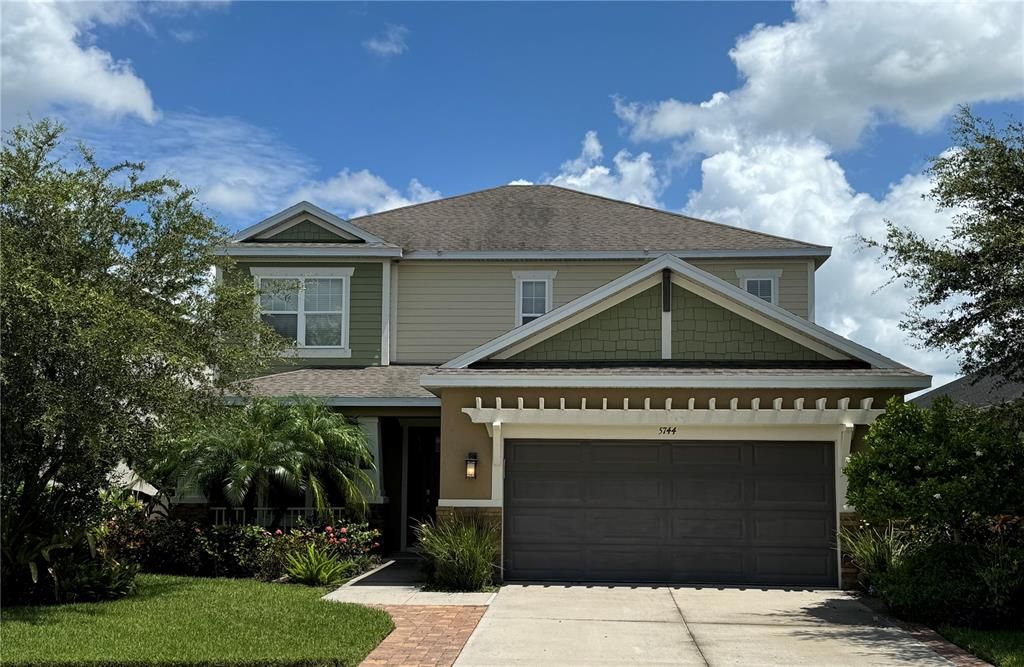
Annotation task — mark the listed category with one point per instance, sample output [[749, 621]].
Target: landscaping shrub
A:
[[84, 577], [967, 584], [178, 547], [317, 566], [951, 477], [875, 551], [460, 553]]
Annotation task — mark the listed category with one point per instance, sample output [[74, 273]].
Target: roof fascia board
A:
[[258, 251], [313, 209], [568, 381], [357, 401], [822, 252]]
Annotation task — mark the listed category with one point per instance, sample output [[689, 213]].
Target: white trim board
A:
[[821, 252], [340, 225], [570, 379], [355, 250], [721, 291]]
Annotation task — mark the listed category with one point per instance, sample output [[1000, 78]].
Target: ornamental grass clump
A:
[[316, 566], [460, 553]]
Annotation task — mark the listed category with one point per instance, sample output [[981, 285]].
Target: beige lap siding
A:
[[447, 308]]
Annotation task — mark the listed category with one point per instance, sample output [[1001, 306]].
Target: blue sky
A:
[[809, 120]]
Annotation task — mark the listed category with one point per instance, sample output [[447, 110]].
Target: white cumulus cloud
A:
[[389, 43], [47, 61], [841, 67], [243, 172], [360, 192], [629, 178]]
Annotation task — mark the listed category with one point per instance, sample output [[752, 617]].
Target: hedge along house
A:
[[633, 395]]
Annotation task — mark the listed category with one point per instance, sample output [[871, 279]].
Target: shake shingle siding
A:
[[628, 331], [702, 330]]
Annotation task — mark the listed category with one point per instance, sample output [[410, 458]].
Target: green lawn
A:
[[186, 621], [1004, 648]]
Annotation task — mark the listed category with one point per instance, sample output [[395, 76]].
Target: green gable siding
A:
[[702, 330], [306, 232], [364, 314], [628, 331]]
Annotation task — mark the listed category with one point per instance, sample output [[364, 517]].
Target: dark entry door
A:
[[672, 512], [424, 476]]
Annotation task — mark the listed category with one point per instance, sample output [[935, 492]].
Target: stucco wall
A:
[[447, 308], [460, 436]]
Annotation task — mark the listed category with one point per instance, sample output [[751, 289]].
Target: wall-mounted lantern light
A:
[[471, 465]]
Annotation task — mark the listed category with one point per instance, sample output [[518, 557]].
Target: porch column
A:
[[371, 429]]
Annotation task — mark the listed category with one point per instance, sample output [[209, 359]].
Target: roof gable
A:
[[305, 223], [783, 325]]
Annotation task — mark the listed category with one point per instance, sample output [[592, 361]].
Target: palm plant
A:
[[296, 446]]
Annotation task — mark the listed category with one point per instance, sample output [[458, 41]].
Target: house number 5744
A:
[[667, 430]]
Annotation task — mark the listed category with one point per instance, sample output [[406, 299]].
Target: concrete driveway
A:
[[593, 625]]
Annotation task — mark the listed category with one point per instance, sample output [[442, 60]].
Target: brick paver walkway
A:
[[425, 636]]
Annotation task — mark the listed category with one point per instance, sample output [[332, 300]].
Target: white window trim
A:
[[301, 273], [761, 274], [547, 277]]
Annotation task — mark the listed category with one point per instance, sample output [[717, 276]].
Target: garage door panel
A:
[[546, 488], [702, 512], [626, 526], [696, 527], [625, 490], [791, 456], [633, 455], [537, 561], [790, 490], [545, 525], [716, 454], [701, 493], [708, 565], [791, 530], [547, 453]]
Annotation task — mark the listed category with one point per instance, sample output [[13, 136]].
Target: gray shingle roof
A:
[[346, 385], [981, 393], [550, 218]]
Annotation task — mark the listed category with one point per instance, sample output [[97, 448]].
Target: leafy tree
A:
[[949, 469], [969, 286], [294, 446], [113, 335]]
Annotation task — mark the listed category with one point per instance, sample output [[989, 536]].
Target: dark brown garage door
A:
[[679, 512]]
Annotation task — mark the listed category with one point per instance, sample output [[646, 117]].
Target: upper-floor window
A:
[[309, 307], [533, 294], [762, 283]]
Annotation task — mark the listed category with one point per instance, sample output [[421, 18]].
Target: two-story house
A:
[[635, 395]]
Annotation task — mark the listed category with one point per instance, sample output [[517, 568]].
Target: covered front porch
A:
[[402, 425]]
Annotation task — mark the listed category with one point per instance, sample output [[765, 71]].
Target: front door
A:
[[424, 476]]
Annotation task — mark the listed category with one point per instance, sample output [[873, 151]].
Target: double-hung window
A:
[[533, 294], [309, 307], [762, 283]]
